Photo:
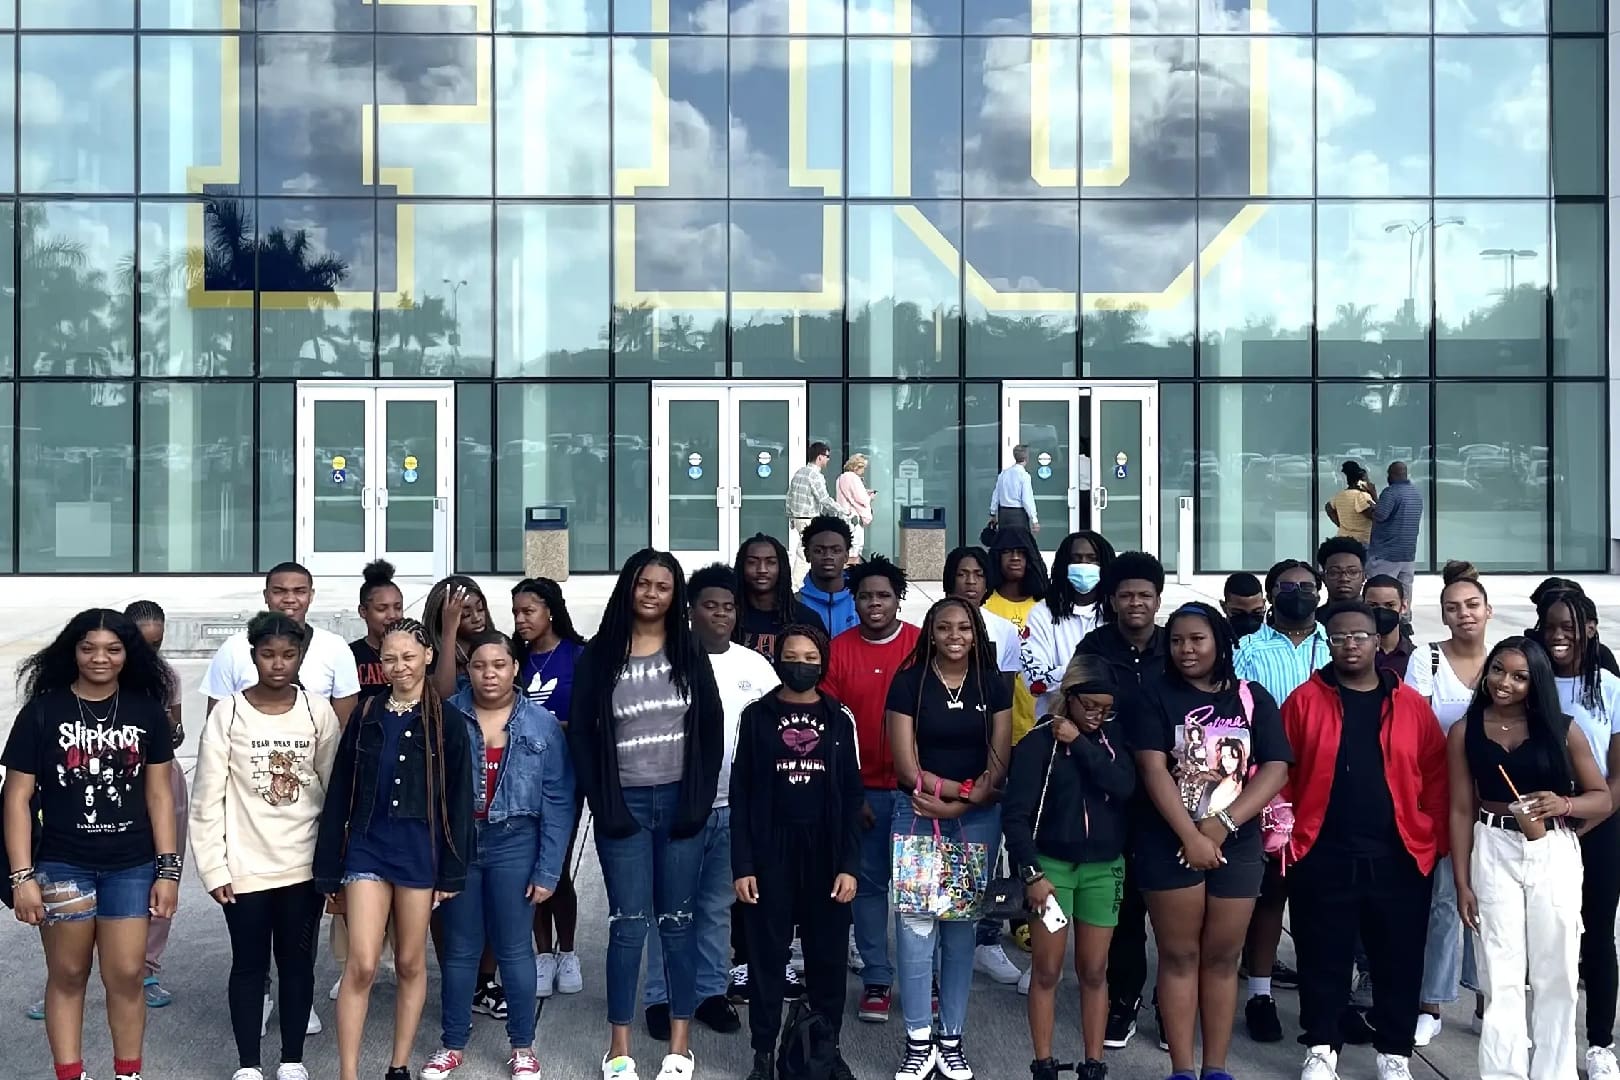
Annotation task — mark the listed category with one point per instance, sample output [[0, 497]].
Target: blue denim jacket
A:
[[537, 779]]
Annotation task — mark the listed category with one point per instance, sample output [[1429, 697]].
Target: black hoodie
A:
[[1083, 820]]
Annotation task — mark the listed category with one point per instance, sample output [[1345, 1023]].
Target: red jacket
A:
[[858, 674], [1414, 765]]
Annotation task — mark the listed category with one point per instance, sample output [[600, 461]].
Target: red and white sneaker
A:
[[523, 1063], [441, 1065]]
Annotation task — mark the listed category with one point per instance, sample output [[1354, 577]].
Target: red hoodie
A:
[[858, 674], [1414, 766]]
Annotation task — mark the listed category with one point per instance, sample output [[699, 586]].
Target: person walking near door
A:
[[1012, 503], [1393, 547], [808, 498]]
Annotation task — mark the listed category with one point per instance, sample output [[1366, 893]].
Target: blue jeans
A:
[[871, 907], [495, 902], [711, 923], [1446, 941], [112, 894], [915, 936], [649, 874]]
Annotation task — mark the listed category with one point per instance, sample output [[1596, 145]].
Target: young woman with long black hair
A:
[[454, 613], [263, 765], [93, 740], [395, 837], [1590, 695], [548, 649], [1522, 774], [381, 602], [1196, 841], [647, 729], [950, 732], [1073, 606]]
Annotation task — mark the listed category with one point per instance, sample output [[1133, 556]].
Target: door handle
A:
[[721, 498], [441, 504], [365, 497], [1074, 498], [382, 498], [1102, 498], [736, 498]]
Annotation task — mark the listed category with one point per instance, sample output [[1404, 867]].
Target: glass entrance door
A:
[[1093, 457], [375, 477], [722, 454]]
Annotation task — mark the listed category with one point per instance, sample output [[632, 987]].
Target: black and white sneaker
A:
[[795, 984], [919, 1062], [1121, 1024], [737, 988], [490, 1000], [953, 1063]]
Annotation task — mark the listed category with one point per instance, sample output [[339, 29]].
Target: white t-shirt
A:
[[328, 669], [1004, 636], [1599, 723], [744, 676], [1447, 695]]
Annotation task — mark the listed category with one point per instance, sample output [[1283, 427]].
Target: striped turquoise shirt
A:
[[1269, 658]]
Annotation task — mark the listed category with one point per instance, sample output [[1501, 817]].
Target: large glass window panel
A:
[[76, 475], [1021, 17], [433, 120], [1254, 302], [1254, 500], [669, 296], [1579, 475], [1373, 287], [78, 297], [1490, 445], [669, 117], [786, 16], [553, 451], [1579, 287], [8, 296], [196, 114], [1139, 117], [440, 324], [905, 308], [314, 94], [314, 15], [669, 17], [905, 117], [1374, 424], [1255, 125], [193, 14], [77, 14], [550, 17], [1138, 16], [1255, 17], [786, 121], [897, 427], [1372, 116], [826, 420], [1021, 117], [1372, 16], [78, 131], [1490, 16], [8, 109], [1490, 116], [918, 17], [434, 18], [1578, 136], [8, 477], [632, 491], [196, 289], [981, 454], [553, 301], [551, 116], [1491, 289], [1023, 276], [278, 473], [1577, 16], [317, 272], [1176, 456], [1138, 261], [475, 478], [196, 478], [787, 308]]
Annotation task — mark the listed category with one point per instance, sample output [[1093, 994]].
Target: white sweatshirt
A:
[[1051, 644], [256, 801]]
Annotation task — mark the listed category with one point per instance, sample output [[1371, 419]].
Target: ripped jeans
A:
[[637, 896]]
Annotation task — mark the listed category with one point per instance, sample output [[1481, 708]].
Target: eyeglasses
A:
[[1342, 571], [1354, 637], [1297, 586]]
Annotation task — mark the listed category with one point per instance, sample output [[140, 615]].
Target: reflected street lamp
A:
[[1416, 231], [1510, 258], [455, 318]]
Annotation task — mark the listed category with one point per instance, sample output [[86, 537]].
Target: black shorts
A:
[[1156, 869]]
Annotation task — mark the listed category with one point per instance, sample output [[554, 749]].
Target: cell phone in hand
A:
[[1052, 915]]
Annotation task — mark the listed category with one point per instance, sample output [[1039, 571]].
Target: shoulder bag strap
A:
[[1040, 806], [1434, 659], [1246, 699]]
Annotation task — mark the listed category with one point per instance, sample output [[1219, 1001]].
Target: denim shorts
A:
[[73, 893]]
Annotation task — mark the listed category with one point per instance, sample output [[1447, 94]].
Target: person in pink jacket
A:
[[853, 497]]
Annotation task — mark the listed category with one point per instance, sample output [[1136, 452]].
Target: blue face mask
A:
[[1084, 576]]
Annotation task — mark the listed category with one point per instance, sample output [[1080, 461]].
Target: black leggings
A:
[[287, 922], [1600, 895]]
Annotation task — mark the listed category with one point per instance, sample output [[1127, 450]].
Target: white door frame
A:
[[374, 498], [729, 396]]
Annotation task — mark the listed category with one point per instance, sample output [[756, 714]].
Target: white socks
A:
[[1259, 987]]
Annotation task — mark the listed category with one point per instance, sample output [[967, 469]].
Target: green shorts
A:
[[1090, 893]]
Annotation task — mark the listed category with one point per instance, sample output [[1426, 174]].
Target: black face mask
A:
[[1245, 623], [797, 676], [1295, 606], [1385, 620]]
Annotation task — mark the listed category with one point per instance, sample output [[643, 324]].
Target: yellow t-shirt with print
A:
[[1016, 612]]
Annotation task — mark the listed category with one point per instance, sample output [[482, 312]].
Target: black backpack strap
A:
[[1434, 659]]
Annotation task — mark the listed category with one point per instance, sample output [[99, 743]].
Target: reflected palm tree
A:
[[71, 308]]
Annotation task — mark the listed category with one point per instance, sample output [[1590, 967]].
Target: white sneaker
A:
[[292, 1070], [1321, 1063], [1428, 1027], [545, 974], [1394, 1067], [313, 1027], [677, 1067], [1023, 982], [1600, 1063], [953, 1064], [856, 964], [922, 1056], [331, 995], [247, 1074], [619, 1068], [569, 979], [992, 960], [264, 1019]]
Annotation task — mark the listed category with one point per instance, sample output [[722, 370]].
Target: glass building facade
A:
[[306, 277]]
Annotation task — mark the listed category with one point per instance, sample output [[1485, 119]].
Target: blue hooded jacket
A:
[[835, 610]]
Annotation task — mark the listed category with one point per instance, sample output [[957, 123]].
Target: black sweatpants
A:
[[1600, 895], [285, 922], [1388, 900], [1127, 952], [796, 891]]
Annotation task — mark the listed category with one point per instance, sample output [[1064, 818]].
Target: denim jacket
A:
[[536, 779]]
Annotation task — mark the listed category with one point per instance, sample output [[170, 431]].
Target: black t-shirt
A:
[[369, 663], [761, 630], [1360, 819], [798, 761], [953, 732], [89, 759], [1212, 748]]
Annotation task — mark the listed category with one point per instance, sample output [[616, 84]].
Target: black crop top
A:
[[1529, 764]]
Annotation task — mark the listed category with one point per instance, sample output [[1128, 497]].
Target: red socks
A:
[[126, 1068], [71, 1071]]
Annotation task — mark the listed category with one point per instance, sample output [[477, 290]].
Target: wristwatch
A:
[[1031, 874], [1226, 819]]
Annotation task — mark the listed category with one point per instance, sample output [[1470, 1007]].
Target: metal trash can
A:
[[922, 542], [545, 542]]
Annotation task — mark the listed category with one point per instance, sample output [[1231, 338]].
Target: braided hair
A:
[[1062, 598], [782, 592], [618, 620], [982, 666], [549, 593], [1223, 675], [1590, 667], [433, 725], [144, 611]]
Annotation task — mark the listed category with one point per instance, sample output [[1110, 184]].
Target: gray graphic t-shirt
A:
[[650, 714]]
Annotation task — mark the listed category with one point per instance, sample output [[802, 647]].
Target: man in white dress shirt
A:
[[1012, 503]]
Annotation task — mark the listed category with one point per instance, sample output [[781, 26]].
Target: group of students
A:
[[765, 765]]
